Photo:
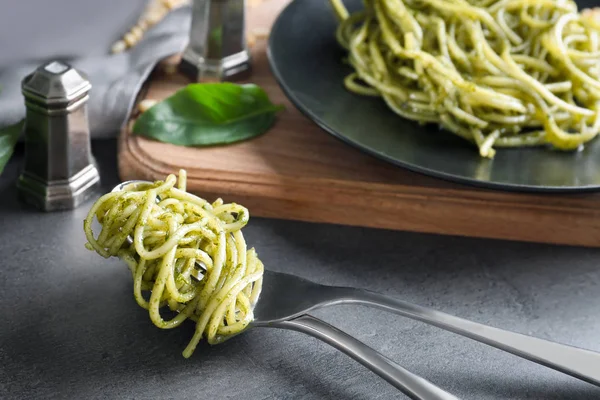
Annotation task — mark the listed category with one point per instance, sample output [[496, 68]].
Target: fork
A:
[[286, 299]]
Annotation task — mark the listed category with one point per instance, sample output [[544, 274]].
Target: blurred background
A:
[[83, 33], [33, 30]]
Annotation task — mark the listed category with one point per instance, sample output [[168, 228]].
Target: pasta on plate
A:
[[498, 73]]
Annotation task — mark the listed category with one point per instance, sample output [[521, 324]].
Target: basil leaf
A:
[[8, 140], [205, 114]]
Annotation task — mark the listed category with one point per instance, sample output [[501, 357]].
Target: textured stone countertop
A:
[[71, 329]]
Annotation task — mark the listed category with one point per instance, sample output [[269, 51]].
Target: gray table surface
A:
[[71, 329]]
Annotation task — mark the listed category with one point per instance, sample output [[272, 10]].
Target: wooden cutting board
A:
[[297, 171]]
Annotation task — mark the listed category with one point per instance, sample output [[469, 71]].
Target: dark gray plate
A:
[[307, 63]]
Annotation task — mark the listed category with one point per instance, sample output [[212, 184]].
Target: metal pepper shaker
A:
[[217, 48], [59, 171]]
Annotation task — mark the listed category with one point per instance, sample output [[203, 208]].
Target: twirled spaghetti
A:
[[498, 73], [172, 230]]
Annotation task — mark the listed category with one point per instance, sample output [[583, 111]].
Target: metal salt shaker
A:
[[59, 171], [217, 48]]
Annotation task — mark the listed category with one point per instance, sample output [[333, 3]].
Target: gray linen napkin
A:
[[115, 78]]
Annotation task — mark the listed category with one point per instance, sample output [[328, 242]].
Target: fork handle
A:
[[412, 385], [579, 363]]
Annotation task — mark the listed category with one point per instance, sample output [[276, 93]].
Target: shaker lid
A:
[[55, 82]]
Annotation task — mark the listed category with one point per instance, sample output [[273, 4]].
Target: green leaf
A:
[[8, 139], [206, 114]]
